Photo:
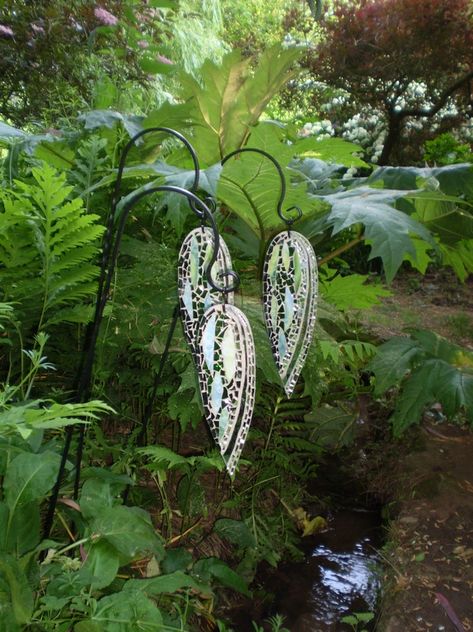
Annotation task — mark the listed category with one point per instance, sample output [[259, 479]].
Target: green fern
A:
[[47, 248]]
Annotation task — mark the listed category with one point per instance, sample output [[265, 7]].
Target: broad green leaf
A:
[[443, 349], [331, 427], [169, 583], [250, 185], [352, 292], [101, 566], [95, 496], [127, 530], [459, 257], [30, 477], [393, 359], [21, 534], [387, 230], [212, 567], [176, 560], [125, 611], [13, 582], [332, 150], [229, 98], [443, 216], [416, 393], [191, 497], [454, 180], [236, 532]]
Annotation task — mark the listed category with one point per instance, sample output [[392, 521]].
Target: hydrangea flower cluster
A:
[[321, 129]]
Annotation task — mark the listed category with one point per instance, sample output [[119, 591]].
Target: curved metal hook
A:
[[132, 142], [287, 220]]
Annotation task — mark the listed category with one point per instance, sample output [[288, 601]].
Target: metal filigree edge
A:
[[226, 364], [196, 295], [289, 301]]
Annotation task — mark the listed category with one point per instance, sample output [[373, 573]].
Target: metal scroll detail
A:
[[226, 364], [290, 300], [196, 294]]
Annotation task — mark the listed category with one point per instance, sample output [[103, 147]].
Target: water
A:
[[338, 576]]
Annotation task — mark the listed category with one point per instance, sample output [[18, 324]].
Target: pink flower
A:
[[143, 44], [5, 31], [165, 60], [105, 17]]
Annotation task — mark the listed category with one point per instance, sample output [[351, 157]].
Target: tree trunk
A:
[[392, 138]]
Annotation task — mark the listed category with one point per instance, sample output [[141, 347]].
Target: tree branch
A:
[[442, 99]]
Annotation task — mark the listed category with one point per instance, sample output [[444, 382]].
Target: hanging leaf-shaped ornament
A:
[[290, 301], [226, 364], [196, 294]]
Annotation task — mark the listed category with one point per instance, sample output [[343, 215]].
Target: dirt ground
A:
[[436, 301], [429, 555]]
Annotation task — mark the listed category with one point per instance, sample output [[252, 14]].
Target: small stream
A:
[[338, 575]]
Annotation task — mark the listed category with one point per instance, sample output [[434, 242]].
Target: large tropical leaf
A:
[[428, 369], [229, 99], [250, 185], [386, 229]]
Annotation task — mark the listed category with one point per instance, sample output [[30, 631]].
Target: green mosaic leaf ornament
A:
[[282, 344], [223, 423], [290, 302], [288, 308], [228, 395], [297, 271], [187, 298], [208, 342], [229, 353], [273, 261], [216, 393], [194, 261], [286, 257], [196, 294]]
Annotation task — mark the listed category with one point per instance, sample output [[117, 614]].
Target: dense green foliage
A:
[[159, 530]]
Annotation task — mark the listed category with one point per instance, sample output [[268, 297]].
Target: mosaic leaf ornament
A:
[[290, 300], [196, 295], [226, 365]]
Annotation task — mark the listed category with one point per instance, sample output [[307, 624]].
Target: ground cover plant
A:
[[159, 537]]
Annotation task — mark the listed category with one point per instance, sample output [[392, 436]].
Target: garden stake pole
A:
[[203, 212], [158, 376], [109, 256]]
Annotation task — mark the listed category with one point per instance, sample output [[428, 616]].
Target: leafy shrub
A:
[[428, 369]]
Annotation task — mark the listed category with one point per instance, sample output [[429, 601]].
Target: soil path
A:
[[429, 558], [429, 583]]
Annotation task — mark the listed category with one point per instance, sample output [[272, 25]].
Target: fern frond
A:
[[48, 246]]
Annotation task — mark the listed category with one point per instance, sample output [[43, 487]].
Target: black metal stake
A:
[[110, 251]]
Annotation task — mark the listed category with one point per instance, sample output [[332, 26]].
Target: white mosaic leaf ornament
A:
[[196, 294], [227, 384], [290, 284]]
